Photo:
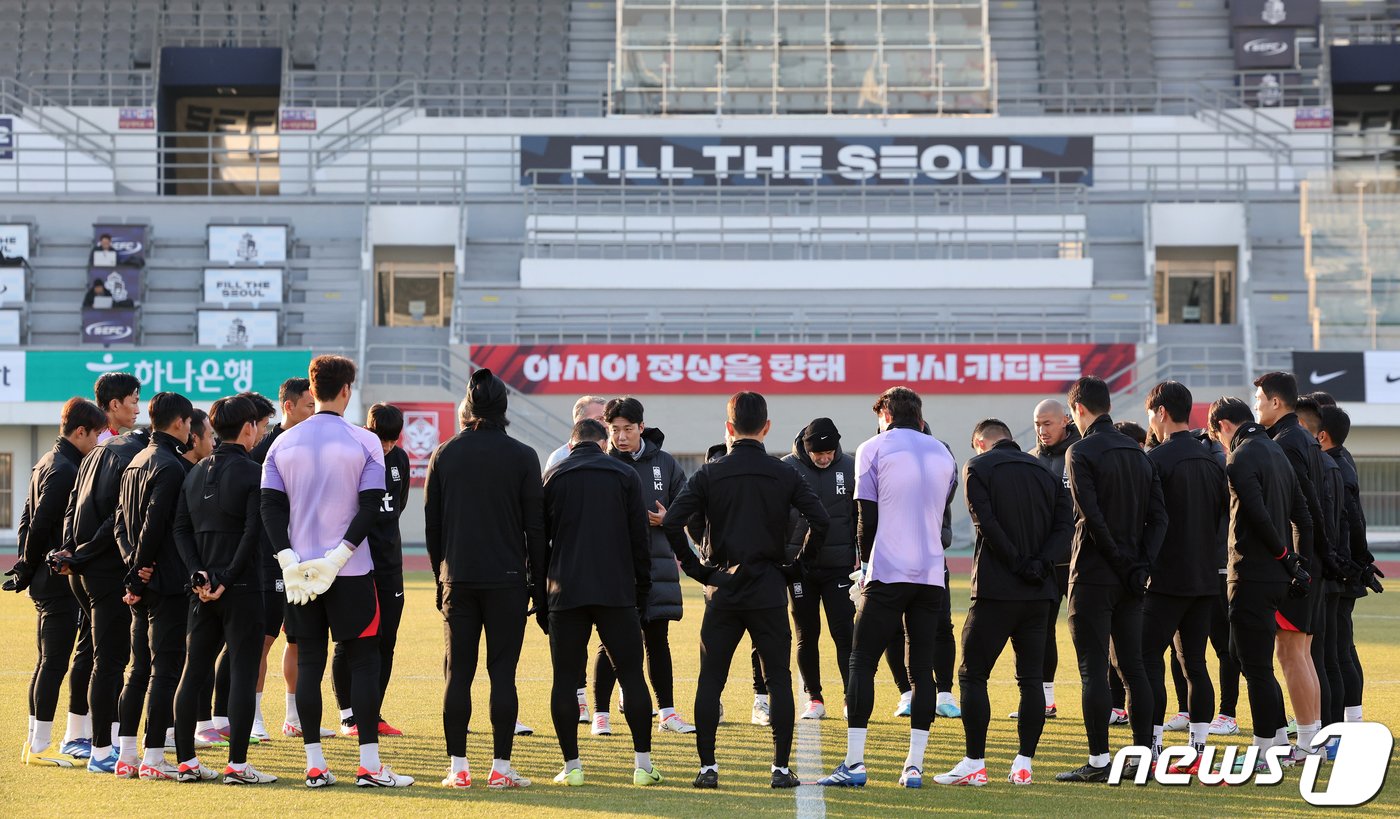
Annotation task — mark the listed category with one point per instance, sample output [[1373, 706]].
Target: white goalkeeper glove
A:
[[320, 573], [857, 578], [293, 583]]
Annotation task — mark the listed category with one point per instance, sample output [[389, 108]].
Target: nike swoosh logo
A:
[[1391, 379], [208, 496], [400, 594], [839, 586], [1323, 379]]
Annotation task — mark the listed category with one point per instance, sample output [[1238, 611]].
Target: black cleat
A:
[[1086, 773], [785, 780], [708, 780]]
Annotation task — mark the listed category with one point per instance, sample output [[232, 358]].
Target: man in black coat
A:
[[1333, 496], [1023, 521], [599, 576], [1121, 522], [40, 533], [745, 497]]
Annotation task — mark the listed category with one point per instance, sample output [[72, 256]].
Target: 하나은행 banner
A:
[[810, 369]]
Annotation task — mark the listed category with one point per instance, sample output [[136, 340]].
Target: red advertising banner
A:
[[806, 369], [425, 426]]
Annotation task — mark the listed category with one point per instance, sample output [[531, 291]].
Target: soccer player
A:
[[745, 497], [638, 446], [484, 525], [1181, 594], [386, 549], [322, 484], [1023, 521], [218, 528], [41, 532], [1121, 522], [201, 443], [599, 575], [1265, 499], [155, 585], [119, 396], [904, 484]]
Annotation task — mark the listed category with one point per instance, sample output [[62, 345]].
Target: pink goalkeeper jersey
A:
[[910, 475], [323, 464]]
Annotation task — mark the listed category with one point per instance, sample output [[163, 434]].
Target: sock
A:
[[459, 765], [500, 766], [1306, 734], [347, 714], [220, 723], [582, 696], [855, 746], [1049, 689], [153, 756], [40, 736], [642, 760], [704, 768], [128, 749], [101, 752], [1281, 736], [314, 758], [1353, 713], [292, 716], [602, 715], [946, 698], [1021, 763], [369, 756], [257, 707], [240, 767], [906, 698], [967, 766], [918, 742], [776, 769], [667, 713], [192, 762], [1157, 735], [760, 699], [574, 765], [1100, 760], [87, 725], [116, 730], [77, 725], [1263, 742], [1200, 733], [203, 725]]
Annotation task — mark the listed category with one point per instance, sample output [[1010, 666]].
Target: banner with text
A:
[[247, 244], [116, 325], [225, 285], [425, 426], [129, 241], [14, 242], [816, 369], [200, 376]]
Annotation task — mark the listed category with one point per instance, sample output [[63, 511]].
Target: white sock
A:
[[1281, 736], [257, 706], [946, 698], [459, 765], [314, 758], [240, 767], [1263, 742], [918, 742], [77, 724], [192, 762], [1200, 733], [1306, 734], [572, 765], [500, 766], [30, 734], [582, 696], [87, 725], [1353, 713], [116, 730], [1157, 735], [1021, 763], [642, 760], [101, 752], [153, 756], [346, 713], [704, 768], [966, 767], [906, 698], [128, 749], [220, 723], [602, 715], [855, 745], [292, 716], [40, 735], [203, 725], [1049, 689], [760, 699], [667, 713], [1099, 760], [776, 769], [369, 756]]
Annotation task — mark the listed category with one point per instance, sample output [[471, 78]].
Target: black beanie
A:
[[821, 436], [486, 395]]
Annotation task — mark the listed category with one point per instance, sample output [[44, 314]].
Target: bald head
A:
[[1051, 422]]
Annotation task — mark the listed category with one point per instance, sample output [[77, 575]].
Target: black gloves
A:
[[133, 583], [1137, 581], [1300, 579], [437, 594], [1368, 576], [199, 580], [1033, 571], [542, 618], [792, 572], [21, 576], [58, 560]]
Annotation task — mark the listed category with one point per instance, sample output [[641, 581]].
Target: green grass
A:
[[414, 704]]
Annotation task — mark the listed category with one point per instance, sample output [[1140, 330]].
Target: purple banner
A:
[[128, 240], [108, 327], [120, 284]]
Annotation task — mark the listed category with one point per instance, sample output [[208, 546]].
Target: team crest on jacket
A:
[[656, 482], [840, 483], [394, 473]]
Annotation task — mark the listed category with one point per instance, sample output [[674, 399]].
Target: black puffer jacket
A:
[[1053, 459], [662, 480], [835, 486]]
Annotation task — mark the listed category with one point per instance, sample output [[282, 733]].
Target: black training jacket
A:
[[267, 558], [1198, 501], [484, 512], [1353, 519], [218, 520], [1264, 499], [41, 523], [835, 486], [385, 539], [744, 497], [1053, 459], [1020, 511], [662, 480], [150, 490], [1305, 457], [91, 516], [596, 526], [1334, 508], [1122, 517]]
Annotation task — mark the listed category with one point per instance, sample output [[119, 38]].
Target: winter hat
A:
[[486, 395], [821, 436]]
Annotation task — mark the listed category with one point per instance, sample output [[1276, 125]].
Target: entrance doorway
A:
[[413, 294], [1195, 290]]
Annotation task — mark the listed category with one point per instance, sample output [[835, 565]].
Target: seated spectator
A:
[[103, 255], [97, 295]]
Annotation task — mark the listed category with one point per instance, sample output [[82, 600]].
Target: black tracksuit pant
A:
[[1098, 615], [1181, 624], [1352, 675], [720, 633], [1052, 622], [157, 658], [988, 627], [109, 624], [56, 631], [389, 588], [656, 638], [234, 621], [883, 609], [1253, 605], [827, 589], [945, 651], [621, 632], [1327, 662], [1228, 677], [467, 614]]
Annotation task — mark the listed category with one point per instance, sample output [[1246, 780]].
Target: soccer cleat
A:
[[349, 728], [460, 780], [259, 732], [248, 776], [976, 778], [48, 758], [1180, 722], [523, 730], [676, 725], [1224, 725], [573, 778], [784, 780], [382, 778], [1050, 713], [104, 766], [291, 729], [760, 715], [644, 779], [195, 773], [208, 738], [1190, 770], [814, 710], [905, 707], [319, 778], [706, 780], [1332, 749], [1292, 728], [845, 776], [387, 730], [1021, 776], [170, 738], [912, 778], [126, 770], [503, 780], [948, 710], [602, 725], [1118, 716], [1086, 773], [161, 771], [77, 748]]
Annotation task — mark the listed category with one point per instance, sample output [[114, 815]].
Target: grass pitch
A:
[[414, 704]]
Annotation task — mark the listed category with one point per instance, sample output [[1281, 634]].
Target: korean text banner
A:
[[201, 376], [816, 369], [805, 160]]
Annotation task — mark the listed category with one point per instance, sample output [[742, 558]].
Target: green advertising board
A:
[[200, 375]]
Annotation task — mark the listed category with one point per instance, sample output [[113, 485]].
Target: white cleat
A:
[[1180, 722], [815, 710], [1224, 726], [675, 725], [602, 724], [760, 715]]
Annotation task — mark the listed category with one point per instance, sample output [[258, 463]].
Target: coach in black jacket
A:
[[744, 497], [1023, 521], [1122, 520], [599, 575]]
